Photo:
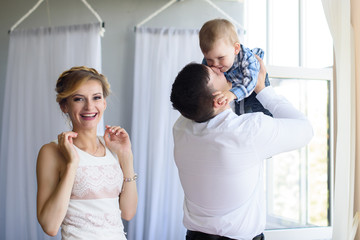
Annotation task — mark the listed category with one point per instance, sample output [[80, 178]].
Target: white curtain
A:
[[159, 55], [338, 14], [31, 117]]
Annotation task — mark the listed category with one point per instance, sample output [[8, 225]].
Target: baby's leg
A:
[[239, 107]]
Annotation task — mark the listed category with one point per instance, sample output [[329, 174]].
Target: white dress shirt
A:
[[220, 164]]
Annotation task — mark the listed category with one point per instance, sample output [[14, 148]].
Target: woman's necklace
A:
[[97, 147]]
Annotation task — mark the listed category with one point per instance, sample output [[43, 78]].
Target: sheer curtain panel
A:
[[31, 117], [355, 21], [159, 55], [338, 15]]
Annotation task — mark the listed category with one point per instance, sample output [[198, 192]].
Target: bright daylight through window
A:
[[298, 55]]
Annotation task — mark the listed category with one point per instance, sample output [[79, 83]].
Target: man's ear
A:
[[237, 48], [218, 105]]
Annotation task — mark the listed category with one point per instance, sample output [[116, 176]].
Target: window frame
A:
[[309, 233]]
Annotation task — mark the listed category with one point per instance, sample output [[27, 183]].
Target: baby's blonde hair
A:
[[71, 80], [214, 30]]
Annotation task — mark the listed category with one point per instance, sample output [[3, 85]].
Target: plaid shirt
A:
[[244, 72]]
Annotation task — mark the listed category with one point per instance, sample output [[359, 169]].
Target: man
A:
[[220, 155]]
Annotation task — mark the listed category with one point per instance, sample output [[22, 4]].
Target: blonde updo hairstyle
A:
[[71, 80]]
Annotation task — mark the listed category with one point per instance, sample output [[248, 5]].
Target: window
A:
[[298, 56]]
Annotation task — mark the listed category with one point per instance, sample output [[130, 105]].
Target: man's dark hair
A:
[[191, 95]]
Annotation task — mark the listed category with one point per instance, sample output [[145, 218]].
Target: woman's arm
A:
[[118, 141], [55, 178], [128, 196]]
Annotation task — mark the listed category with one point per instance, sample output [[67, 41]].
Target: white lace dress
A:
[[93, 211]]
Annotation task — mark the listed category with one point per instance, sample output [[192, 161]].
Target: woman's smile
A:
[[88, 116]]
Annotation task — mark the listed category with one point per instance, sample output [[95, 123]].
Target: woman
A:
[[86, 183]]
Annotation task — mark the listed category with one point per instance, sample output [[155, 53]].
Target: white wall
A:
[[120, 17]]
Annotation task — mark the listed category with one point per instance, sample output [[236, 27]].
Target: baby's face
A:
[[221, 56], [217, 80]]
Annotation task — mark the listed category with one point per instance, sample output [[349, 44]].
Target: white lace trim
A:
[[93, 182]]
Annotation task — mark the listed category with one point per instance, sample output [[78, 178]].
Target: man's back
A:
[[220, 165], [217, 160]]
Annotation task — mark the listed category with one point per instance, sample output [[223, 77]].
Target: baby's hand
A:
[[224, 97]]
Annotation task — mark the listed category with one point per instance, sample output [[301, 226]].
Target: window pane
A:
[[317, 40], [297, 181], [283, 33], [255, 24]]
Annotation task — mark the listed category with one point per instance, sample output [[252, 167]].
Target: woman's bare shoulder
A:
[[49, 148], [50, 154]]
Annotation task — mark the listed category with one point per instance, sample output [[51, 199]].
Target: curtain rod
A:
[[226, 15], [102, 31], [157, 12], [26, 15], [40, 1]]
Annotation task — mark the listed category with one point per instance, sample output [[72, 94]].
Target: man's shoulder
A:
[[181, 121], [244, 121], [226, 121]]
